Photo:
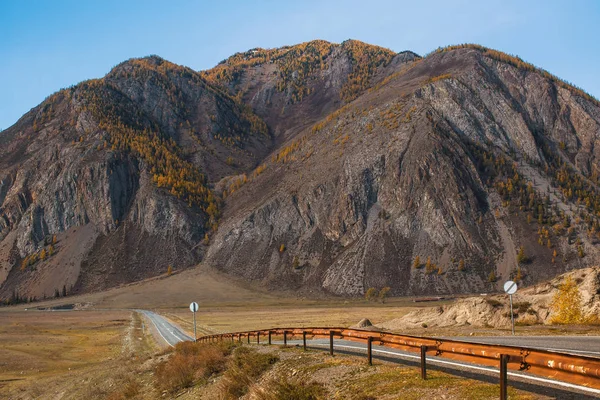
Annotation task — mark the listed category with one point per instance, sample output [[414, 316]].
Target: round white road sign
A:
[[194, 306], [510, 287]]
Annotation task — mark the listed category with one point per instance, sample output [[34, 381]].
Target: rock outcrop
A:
[[316, 167]]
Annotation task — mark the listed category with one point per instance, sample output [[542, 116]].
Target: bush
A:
[[383, 293], [371, 294], [494, 303], [190, 363], [522, 307], [246, 365], [293, 390]]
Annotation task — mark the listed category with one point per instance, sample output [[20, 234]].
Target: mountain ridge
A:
[[325, 167]]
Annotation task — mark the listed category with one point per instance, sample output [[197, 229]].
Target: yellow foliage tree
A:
[[417, 262], [383, 293], [169, 270], [371, 294], [566, 304]]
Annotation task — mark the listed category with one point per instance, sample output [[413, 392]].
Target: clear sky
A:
[[47, 45]]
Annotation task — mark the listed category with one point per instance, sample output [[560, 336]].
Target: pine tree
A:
[[64, 291]]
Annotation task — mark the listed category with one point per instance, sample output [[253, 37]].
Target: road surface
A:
[[535, 384], [573, 344], [577, 345], [168, 331]]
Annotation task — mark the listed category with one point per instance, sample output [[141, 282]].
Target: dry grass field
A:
[[68, 355]]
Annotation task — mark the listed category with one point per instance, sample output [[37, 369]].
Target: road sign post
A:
[[510, 288], [194, 309]]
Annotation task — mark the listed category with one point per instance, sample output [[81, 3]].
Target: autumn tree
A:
[[461, 264], [519, 275], [169, 270], [492, 277], [417, 262], [282, 248], [521, 256], [383, 293], [566, 303], [371, 294], [43, 255]]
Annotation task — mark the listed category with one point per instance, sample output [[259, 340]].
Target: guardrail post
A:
[[257, 337], [370, 350], [330, 342], [284, 338], [304, 340], [503, 376], [423, 362], [269, 337]]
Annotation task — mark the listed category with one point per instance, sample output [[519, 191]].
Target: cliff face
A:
[[460, 157], [319, 166]]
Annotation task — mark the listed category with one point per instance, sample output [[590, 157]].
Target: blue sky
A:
[[47, 45]]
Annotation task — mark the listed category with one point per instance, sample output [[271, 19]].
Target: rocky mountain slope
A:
[[321, 167]]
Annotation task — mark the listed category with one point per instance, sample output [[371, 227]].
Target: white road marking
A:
[[474, 367]]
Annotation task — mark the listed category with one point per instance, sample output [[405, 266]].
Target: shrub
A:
[[522, 307], [293, 390], [247, 365], [383, 293], [371, 294], [494, 303], [191, 362]]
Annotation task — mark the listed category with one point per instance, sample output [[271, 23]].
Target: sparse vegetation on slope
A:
[[517, 62], [298, 63]]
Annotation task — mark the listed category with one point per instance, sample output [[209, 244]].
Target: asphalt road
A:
[[555, 389], [169, 332], [577, 345], [535, 384]]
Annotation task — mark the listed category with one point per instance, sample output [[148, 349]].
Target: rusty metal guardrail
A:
[[575, 369]]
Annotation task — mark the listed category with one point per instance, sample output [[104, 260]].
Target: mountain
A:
[[318, 167]]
